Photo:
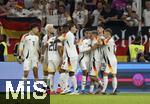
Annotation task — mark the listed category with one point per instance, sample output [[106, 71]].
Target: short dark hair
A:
[[4, 37], [62, 6], [33, 26], [101, 25], [109, 30], [80, 3], [70, 25], [94, 32], [99, 2]]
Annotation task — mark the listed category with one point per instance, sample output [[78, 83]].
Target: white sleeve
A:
[[44, 41], [74, 15], [93, 13], [82, 48]]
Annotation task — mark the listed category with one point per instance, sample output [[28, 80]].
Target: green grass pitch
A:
[[101, 99]]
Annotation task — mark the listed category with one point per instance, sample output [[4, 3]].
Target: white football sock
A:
[[105, 78], [114, 83], [50, 79], [24, 79], [63, 81], [83, 82], [74, 82], [91, 88], [100, 82]]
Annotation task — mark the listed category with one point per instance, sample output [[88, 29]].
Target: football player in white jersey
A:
[[29, 51], [54, 60], [84, 57], [70, 56], [95, 62], [110, 59], [44, 56]]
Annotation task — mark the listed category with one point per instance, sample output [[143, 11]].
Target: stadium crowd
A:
[[82, 12]]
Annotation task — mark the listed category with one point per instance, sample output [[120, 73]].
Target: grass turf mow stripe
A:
[[125, 98]]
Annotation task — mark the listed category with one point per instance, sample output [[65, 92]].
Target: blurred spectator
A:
[[67, 6], [36, 12], [136, 6], [51, 7], [77, 1], [20, 2], [28, 4], [130, 17], [146, 13], [136, 50], [108, 15], [3, 11], [63, 16], [80, 16], [3, 48], [119, 4], [19, 11], [52, 13], [11, 4], [97, 13], [91, 4]]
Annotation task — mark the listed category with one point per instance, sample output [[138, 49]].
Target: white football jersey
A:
[[95, 54], [109, 50], [53, 49], [85, 45], [45, 39], [70, 49], [31, 46]]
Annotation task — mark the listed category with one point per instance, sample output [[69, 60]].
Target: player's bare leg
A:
[[35, 72], [95, 82], [45, 72], [26, 73]]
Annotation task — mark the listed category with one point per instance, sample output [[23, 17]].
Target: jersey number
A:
[[53, 47]]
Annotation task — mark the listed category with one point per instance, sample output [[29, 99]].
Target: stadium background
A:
[[133, 77], [14, 28]]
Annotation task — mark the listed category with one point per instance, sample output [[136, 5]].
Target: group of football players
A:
[[63, 53]]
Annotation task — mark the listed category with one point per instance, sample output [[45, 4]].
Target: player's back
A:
[[109, 49], [95, 54], [84, 46], [70, 46]]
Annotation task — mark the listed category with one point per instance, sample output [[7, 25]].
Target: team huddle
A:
[[94, 54]]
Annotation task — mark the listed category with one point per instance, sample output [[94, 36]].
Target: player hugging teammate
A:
[[94, 54]]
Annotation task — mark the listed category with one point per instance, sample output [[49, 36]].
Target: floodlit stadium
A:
[[74, 51]]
